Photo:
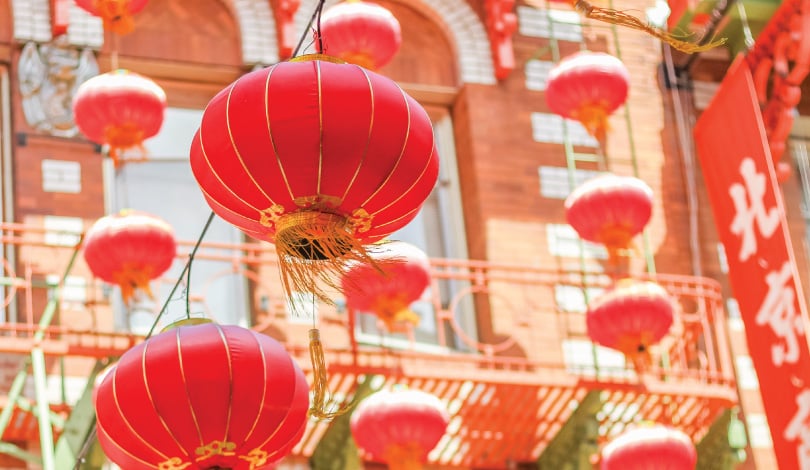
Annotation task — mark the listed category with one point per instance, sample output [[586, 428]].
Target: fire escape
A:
[[506, 410]]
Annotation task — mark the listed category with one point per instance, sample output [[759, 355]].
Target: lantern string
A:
[[315, 15], [185, 273]]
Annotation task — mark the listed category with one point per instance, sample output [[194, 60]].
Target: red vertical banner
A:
[[750, 218]]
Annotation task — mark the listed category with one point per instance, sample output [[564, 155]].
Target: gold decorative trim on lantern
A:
[[314, 57]]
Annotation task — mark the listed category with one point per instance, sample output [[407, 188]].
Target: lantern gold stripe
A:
[[404, 216], [185, 386], [410, 188], [264, 390], [271, 435], [230, 382], [401, 153], [235, 148], [152, 401], [368, 139], [320, 126], [216, 175], [270, 133], [123, 449], [126, 421]]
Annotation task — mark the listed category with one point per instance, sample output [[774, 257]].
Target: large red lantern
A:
[[588, 87], [120, 109], [630, 318], [399, 427], [400, 278], [116, 14], [649, 446], [321, 158], [610, 210], [361, 33], [129, 249], [318, 157], [202, 397]]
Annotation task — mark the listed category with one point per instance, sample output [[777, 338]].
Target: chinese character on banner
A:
[[750, 218], [799, 429]]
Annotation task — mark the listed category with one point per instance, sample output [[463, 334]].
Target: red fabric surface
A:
[[361, 32], [650, 447], [587, 78]]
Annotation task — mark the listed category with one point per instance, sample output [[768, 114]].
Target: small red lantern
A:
[[116, 14], [399, 427], [650, 446], [630, 318], [610, 210], [129, 249], [588, 87], [202, 397], [400, 278], [361, 33], [120, 109]]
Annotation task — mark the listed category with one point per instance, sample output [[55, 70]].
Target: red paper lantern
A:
[[400, 278], [630, 318], [652, 446], [120, 109], [319, 158], [202, 397], [116, 14], [361, 33], [610, 210], [588, 87], [399, 427], [129, 249]]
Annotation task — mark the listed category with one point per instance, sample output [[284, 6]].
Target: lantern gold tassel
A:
[[321, 396], [620, 18], [313, 248], [404, 456]]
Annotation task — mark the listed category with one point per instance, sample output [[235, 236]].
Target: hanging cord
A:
[[314, 19]]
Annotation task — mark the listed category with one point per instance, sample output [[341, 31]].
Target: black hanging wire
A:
[[91, 436]]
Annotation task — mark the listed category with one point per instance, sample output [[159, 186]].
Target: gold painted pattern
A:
[[256, 458], [185, 385], [174, 463], [233, 143], [270, 132], [360, 220], [368, 138], [213, 448], [270, 216], [152, 401], [401, 152]]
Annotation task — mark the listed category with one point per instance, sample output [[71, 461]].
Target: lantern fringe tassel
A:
[[115, 16], [620, 18], [321, 396], [404, 456], [314, 248], [636, 349]]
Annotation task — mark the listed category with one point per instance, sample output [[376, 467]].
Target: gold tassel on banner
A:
[[321, 396]]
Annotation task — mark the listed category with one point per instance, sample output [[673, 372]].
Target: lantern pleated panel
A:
[[610, 210], [588, 87], [399, 427], [317, 157], [650, 447], [630, 318], [129, 249], [120, 109], [202, 397], [116, 14], [361, 33], [400, 278]]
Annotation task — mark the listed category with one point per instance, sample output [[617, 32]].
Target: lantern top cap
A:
[[193, 321], [656, 433], [314, 57], [351, 7], [610, 182]]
